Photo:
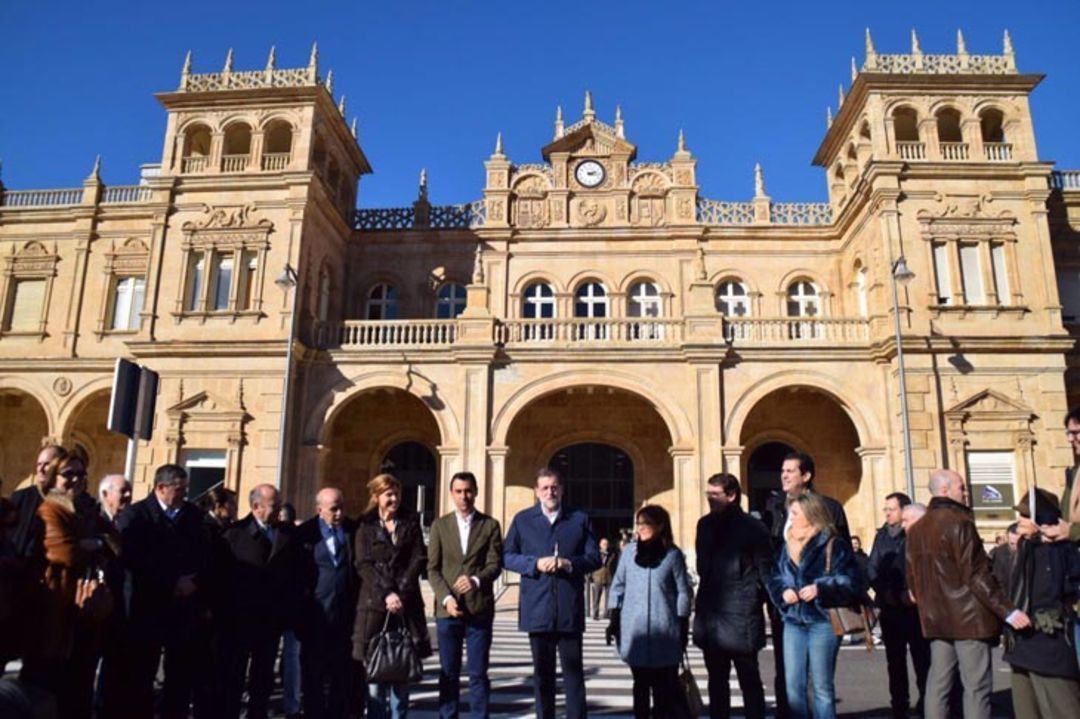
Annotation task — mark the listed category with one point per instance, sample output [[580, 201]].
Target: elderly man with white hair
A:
[[114, 494], [961, 607]]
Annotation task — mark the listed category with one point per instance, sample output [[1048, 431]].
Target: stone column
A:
[[449, 464], [495, 495], [685, 508]]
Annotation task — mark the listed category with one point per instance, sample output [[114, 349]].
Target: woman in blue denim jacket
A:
[[803, 591]]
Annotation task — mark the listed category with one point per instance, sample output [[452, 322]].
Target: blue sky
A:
[[433, 81]]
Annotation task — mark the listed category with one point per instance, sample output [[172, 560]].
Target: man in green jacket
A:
[[464, 560]]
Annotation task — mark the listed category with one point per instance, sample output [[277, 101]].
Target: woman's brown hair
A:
[[660, 517], [817, 514], [379, 484]]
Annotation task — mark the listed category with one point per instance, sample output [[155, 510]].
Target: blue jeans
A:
[[811, 647], [290, 673], [387, 701], [476, 635]]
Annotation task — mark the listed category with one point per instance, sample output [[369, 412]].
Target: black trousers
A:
[[184, 655], [718, 664], [544, 645], [901, 632], [780, 681], [326, 673], [657, 694], [259, 649]]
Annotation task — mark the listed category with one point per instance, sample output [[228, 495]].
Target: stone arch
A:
[[867, 426], [83, 420], [618, 441], [25, 424], [801, 274], [525, 177], [586, 275], [537, 276], [678, 423], [642, 275], [732, 274], [331, 402]]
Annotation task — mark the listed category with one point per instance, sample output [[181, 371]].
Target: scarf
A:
[[797, 540], [650, 553]]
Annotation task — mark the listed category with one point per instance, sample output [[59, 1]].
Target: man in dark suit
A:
[[464, 560], [328, 607], [553, 548], [260, 601], [114, 495], [796, 477], [167, 555], [29, 529]]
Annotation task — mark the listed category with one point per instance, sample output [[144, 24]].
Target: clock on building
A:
[[589, 173]]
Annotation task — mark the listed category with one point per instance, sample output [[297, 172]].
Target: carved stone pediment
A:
[[205, 417], [989, 402], [225, 217], [531, 186], [592, 138], [966, 216], [33, 260]]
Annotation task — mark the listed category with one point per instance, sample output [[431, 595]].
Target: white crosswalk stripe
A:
[[608, 683]]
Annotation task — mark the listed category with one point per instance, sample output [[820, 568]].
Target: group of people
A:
[[98, 598]]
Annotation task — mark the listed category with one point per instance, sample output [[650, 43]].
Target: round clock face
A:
[[589, 173]]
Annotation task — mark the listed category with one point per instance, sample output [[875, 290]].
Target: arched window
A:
[[382, 303], [237, 148], [732, 300], [277, 145], [906, 125], [992, 128], [864, 131], [451, 301], [802, 299], [590, 300], [538, 301], [196, 151], [860, 289], [948, 126], [644, 300]]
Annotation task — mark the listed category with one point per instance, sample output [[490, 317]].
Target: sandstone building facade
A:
[[588, 311]]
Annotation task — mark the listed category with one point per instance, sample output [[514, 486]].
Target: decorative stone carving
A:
[[226, 217], [591, 212], [62, 386], [686, 208], [966, 217]]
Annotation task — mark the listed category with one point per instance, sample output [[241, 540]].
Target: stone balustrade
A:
[[911, 150], [387, 333], [275, 161], [788, 330], [124, 194], [954, 151], [582, 330], [1065, 179], [997, 151], [234, 163], [194, 163], [41, 198]]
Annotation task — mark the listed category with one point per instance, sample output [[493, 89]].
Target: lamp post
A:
[[287, 280], [902, 275]]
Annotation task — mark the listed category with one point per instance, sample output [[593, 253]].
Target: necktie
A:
[[171, 513]]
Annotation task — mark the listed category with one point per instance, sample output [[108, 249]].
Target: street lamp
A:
[[902, 275], [287, 280]]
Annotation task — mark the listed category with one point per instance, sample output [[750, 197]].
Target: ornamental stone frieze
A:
[[966, 216]]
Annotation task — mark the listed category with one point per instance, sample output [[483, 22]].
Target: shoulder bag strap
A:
[[828, 555]]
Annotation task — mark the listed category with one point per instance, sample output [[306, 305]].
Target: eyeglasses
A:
[[1072, 433], [73, 475]]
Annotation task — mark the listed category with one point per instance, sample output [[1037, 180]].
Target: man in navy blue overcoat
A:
[[553, 548]]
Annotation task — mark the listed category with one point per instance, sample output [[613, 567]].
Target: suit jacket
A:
[[157, 552], [551, 602], [775, 517], [261, 588], [329, 590], [483, 560], [29, 530]]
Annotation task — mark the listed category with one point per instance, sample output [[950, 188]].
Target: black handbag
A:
[[392, 657]]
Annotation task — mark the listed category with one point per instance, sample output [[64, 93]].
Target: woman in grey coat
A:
[[649, 606]]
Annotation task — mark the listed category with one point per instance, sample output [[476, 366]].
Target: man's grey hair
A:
[[110, 481], [940, 479], [256, 493], [915, 510]]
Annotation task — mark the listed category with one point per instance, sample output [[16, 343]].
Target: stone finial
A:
[[559, 129], [619, 132], [185, 70], [681, 146], [498, 145], [588, 113], [341, 105], [228, 61], [478, 265], [854, 69], [313, 58], [329, 81], [352, 127], [915, 49], [961, 46], [870, 61], [828, 116], [1007, 46], [840, 97], [421, 193], [271, 58], [95, 171], [759, 182]]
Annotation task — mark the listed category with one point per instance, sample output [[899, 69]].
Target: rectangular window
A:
[[1001, 283], [205, 469], [992, 480], [247, 280], [196, 278], [1068, 279], [27, 300], [223, 274], [971, 274], [941, 273], [127, 302]]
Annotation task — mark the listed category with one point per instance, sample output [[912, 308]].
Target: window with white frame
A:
[[942, 280], [382, 303], [196, 282], [992, 483], [732, 299], [1001, 279], [971, 274], [222, 280], [590, 300], [802, 299], [450, 301], [26, 303], [205, 469], [538, 301], [249, 266], [644, 300], [127, 303]]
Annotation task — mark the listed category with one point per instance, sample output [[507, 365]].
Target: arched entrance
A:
[[373, 429], [763, 472], [106, 449], [599, 478], [414, 464], [810, 420], [611, 445], [23, 428]]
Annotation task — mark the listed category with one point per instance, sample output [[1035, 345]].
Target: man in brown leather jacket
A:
[[960, 604]]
